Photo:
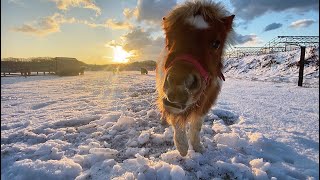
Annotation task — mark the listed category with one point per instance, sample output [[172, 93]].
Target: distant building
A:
[[65, 66], [62, 66]]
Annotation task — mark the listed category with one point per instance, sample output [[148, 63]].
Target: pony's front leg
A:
[[163, 120], [194, 133], [180, 138]]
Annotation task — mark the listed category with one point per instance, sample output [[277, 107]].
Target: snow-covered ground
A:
[[105, 126], [278, 67]]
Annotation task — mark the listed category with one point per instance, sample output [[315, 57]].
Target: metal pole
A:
[[301, 65]]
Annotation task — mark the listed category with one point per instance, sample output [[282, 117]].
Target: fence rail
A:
[[277, 44]]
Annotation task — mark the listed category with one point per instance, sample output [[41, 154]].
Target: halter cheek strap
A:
[[203, 72]]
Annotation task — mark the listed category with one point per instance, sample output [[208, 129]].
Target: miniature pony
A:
[[189, 78]]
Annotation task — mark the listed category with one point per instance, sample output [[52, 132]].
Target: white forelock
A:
[[198, 22]]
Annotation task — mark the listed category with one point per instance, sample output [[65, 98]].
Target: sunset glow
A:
[[59, 28], [120, 55]]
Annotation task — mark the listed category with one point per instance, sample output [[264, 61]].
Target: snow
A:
[[51, 169], [278, 67], [144, 137], [105, 126], [177, 173]]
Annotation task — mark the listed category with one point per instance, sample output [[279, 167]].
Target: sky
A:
[[109, 31]]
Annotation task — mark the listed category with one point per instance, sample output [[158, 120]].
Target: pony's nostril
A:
[[171, 97], [179, 97], [192, 82], [167, 82]]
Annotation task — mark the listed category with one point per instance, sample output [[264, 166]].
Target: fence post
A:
[[301, 65]]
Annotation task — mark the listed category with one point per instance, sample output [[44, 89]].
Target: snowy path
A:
[[104, 126]]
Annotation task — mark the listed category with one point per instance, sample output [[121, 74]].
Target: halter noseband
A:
[[203, 72]]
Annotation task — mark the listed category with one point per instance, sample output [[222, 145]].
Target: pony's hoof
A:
[[198, 148], [183, 152], [183, 149]]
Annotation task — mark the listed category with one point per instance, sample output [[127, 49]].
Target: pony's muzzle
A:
[[177, 97], [189, 83], [178, 90], [175, 101]]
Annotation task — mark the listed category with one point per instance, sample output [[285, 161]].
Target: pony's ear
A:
[[228, 21]]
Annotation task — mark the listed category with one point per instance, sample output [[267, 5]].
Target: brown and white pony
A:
[[189, 77]]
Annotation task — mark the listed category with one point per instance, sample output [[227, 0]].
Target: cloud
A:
[[247, 40], [113, 43], [87, 4], [137, 39], [113, 24], [129, 13], [153, 10], [90, 24], [302, 23], [109, 23], [272, 26], [141, 44], [250, 9], [44, 26], [17, 2]]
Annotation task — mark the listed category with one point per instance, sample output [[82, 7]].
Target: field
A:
[[105, 126]]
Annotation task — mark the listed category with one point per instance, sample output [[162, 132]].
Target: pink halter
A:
[[188, 58]]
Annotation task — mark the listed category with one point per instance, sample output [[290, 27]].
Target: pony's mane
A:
[[207, 8]]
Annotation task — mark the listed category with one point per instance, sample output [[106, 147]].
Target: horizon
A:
[[100, 32], [108, 63]]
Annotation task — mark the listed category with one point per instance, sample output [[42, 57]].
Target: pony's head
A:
[[196, 33]]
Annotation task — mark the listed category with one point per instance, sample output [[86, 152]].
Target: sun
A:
[[120, 55]]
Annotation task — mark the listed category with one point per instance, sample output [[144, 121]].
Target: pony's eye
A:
[[215, 44]]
